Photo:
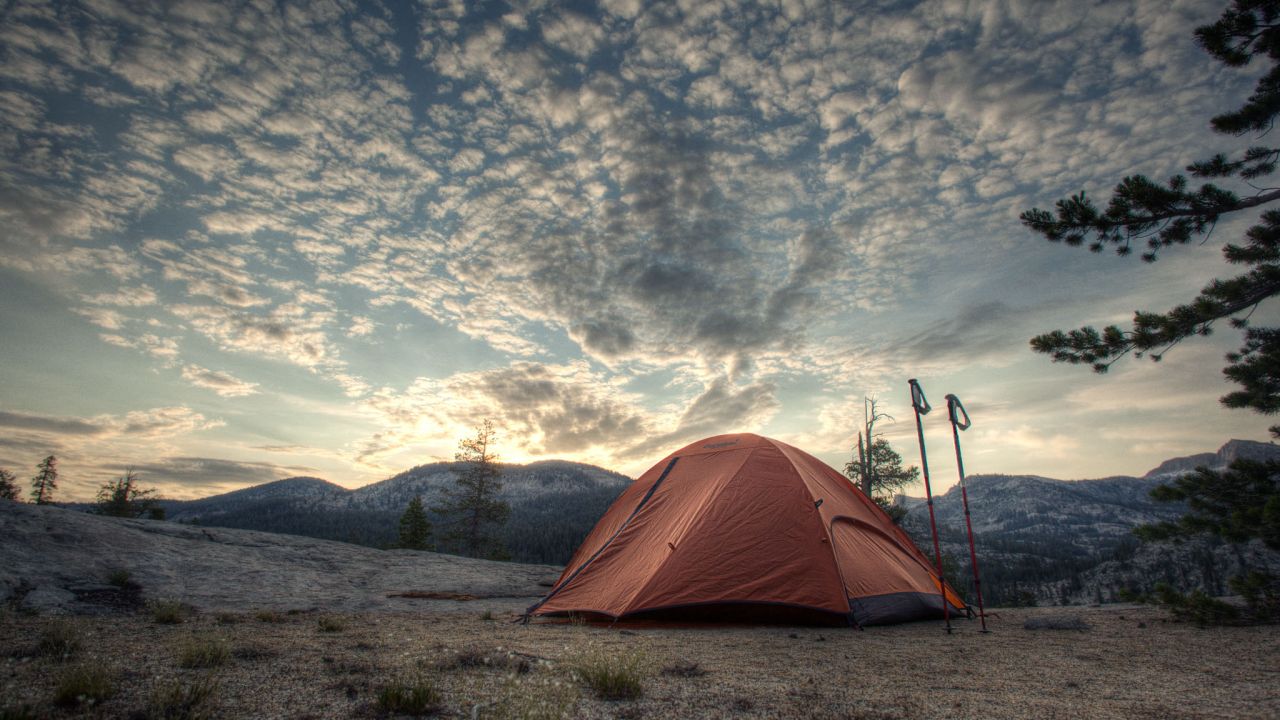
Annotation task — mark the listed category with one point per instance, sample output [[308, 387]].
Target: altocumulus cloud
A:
[[221, 383], [737, 195]]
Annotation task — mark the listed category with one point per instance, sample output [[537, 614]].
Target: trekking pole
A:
[[954, 411], [921, 406]]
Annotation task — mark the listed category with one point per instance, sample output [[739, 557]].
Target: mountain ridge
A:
[[1046, 540], [555, 503], [1038, 538]]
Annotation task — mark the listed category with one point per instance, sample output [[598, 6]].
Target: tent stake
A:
[[954, 410], [921, 407]]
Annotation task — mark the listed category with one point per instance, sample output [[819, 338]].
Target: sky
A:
[[245, 241]]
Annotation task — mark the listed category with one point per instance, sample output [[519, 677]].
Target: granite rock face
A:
[[58, 560]]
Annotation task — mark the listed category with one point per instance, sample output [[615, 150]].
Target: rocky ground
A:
[[326, 643], [57, 560], [1128, 664]]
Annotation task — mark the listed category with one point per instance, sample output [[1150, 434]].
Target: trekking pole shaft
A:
[[968, 526], [933, 523]]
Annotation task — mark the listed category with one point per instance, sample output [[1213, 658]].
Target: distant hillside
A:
[[1061, 540], [1227, 454], [554, 504], [1051, 540]]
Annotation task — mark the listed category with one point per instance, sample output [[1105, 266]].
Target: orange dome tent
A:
[[745, 527]]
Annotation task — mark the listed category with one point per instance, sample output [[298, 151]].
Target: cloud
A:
[[222, 383], [1028, 439], [546, 409], [156, 422], [164, 349], [751, 201], [288, 332], [56, 425], [721, 408], [203, 472], [978, 331]]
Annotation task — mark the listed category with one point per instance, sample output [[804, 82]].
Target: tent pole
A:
[[954, 410], [921, 407]]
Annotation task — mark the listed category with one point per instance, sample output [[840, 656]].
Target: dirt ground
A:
[[1131, 663]]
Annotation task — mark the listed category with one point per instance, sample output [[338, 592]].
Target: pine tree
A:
[[1172, 214], [415, 528], [8, 486], [470, 506], [45, 481], [876, 468], [123, 498], [1237, 505]]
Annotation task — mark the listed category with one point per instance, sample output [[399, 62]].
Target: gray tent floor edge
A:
[[727, 611], [897, 607]]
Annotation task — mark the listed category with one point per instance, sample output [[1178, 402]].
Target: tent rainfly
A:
[[743, 527]]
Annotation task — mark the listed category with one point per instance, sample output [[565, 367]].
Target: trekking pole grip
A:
[[955, 410], [918, 400]]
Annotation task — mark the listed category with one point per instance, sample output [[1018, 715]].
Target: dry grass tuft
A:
[[269, 616], [60, 640], [167, 612], [413, 695], [539, 697], [119, 578], [331, 624], [84, 685], [612, 675], [183, 701], [204, 653]]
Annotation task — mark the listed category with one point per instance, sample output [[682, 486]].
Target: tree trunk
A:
[[864, 460]]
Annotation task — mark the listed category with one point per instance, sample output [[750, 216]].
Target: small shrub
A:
[[269, 616], [119, 578], [226, 618], [612, 675], [1259, 590], [332, 624], [168, 612], [1196, 607], [537, 698], [183, 701], [203, 653], [487, 616], [60, 640], [84, 685], [1261, 593], [409, 696]]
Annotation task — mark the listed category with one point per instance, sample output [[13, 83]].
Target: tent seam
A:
[[697, 518]]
